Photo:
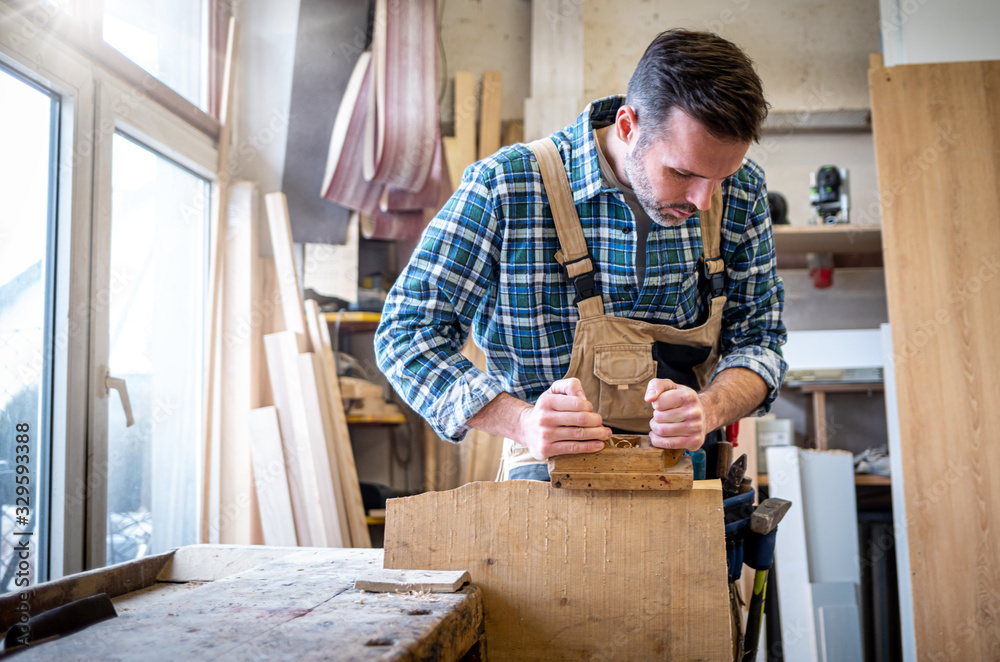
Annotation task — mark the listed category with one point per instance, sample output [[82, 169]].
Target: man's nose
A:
[[699, 194]]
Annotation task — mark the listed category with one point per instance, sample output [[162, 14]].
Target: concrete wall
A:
[[921, 31]]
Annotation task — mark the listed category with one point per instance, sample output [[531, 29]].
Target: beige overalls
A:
[[613, 356]]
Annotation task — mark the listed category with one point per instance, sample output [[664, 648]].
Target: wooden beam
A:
[[465, 121], [271, 478]]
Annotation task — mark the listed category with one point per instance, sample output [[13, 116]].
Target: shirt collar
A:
[[585, 169]]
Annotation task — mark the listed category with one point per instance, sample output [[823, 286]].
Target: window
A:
[[159, 237], [28, 140], [167, 38]]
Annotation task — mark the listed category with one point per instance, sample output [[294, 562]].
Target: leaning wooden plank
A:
[[282, 350], [271, 477], [284, 262], [332, 449], [401, 581], [561, 570], [313, 391], [220, 205], [320, 333], [489, 114], [465, 122]]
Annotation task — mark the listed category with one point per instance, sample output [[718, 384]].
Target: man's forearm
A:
[[501, 416], [733, 394]]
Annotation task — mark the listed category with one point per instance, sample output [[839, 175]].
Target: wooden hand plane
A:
[[627, 462]]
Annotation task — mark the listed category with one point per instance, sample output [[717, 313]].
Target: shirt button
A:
[[628, 288], [626, 229]]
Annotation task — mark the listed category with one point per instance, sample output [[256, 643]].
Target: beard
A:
[[635, 169]]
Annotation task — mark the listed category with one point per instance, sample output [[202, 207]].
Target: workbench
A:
[[263, 603]]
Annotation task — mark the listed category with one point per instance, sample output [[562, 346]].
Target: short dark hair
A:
[[706, 76]]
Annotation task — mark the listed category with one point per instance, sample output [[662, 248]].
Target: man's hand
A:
[[562, 421], [679, 419]]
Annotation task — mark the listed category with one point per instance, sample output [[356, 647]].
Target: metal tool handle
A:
[[107, 383]]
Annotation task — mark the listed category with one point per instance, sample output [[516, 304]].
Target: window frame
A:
[[58, 53]]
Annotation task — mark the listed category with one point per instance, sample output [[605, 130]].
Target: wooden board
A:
[[489, 113], [570, 575], [938, 154], [291, 606], [271, 477], [281, 349], [320, 333], [284, 262], [401, 581], [844, 238], [330, 495], [678, 477], [465, 124]]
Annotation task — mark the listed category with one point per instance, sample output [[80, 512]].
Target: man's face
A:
[[674, 176]]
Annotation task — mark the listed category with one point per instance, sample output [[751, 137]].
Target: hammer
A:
[[759, 554]]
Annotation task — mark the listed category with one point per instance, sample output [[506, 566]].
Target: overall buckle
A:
[[585, 284], [716, 282]]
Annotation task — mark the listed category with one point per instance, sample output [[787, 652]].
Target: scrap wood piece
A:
[[560, 569], [320, 334], [271, 478], [402, 124], [402, 581]]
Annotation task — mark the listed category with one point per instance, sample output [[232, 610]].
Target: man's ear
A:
[[626, 124]]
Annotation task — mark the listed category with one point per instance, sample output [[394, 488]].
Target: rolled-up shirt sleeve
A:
[[430, 308], [752, 329]]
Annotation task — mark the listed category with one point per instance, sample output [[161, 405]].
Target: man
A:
[[618, 275]]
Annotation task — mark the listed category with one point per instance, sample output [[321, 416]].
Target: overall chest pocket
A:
[[623, 371]]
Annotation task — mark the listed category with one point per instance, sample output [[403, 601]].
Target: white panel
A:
[[922, 31], [831, 516], [820, 350], [898, 503]]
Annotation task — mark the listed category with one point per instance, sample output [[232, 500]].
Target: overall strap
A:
[[573, 254], [713, 268]]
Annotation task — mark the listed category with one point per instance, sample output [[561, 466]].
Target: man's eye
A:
[[681, 175]]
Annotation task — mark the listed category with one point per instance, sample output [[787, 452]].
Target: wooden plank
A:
[[114, 580], [282, 350], [678, 477], [209, 563], [465, 122], [300, 606], [489, 113], [237, 497], [220, 206], [284, 262], [618, 459], [819, 420], [271, 477], [350, 485], [401, 581], [561, 570], [314, 397], [938, 155]]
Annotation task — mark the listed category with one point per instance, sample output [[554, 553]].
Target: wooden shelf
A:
[[839, 387], [843, 238], [371, 419], [354, 321], [864, 480]]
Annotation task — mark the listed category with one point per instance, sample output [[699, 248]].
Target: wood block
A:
[[401, 581], [647, 459], [351, 387], [284, 262], [571, 576], [678, 477], [271, 477], [489, 114]]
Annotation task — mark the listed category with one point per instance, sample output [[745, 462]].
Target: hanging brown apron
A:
[[614, 357]]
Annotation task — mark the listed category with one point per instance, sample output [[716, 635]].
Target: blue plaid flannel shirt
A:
[[485, 263]]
